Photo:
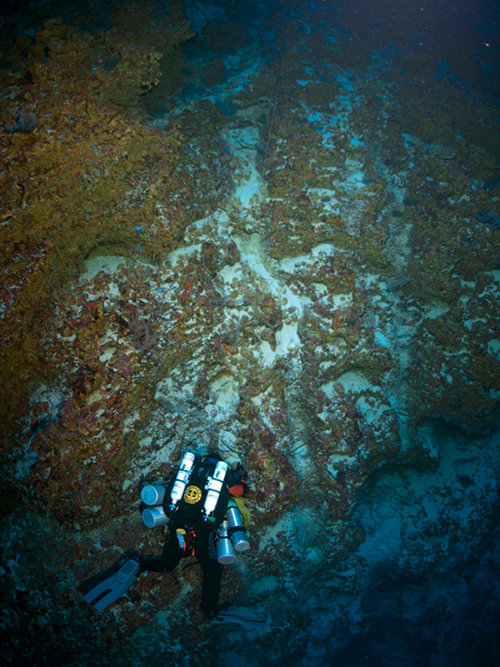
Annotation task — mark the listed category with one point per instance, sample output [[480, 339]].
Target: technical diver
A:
[[202, 503]]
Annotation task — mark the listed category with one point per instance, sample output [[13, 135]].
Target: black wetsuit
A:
[[204, 544], [205, 551]]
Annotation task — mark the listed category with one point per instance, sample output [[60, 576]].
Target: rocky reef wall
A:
[[249, 236]]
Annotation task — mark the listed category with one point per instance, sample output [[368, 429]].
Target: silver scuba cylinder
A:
[[225, 550], [153, 494], [236, 527], [154, 516]]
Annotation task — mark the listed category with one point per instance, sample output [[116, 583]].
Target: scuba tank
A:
[[231, 535], [214, 486], [154, 516], [198, 499], [236, 527], [225, 549], [182, 478], [197, 495], [153, 495]]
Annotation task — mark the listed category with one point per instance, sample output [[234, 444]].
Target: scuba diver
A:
[[203, 506]]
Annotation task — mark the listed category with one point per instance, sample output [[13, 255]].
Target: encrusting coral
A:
[[78, 177], [311, 330]]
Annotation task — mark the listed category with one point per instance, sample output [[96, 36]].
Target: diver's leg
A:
[[169, 558], [206, 554]]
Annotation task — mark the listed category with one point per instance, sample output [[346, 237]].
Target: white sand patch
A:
[[186, 251], [253, 260], [243, 143], [354, 382], [228, 447], [320, 289], [249, 188], [436, 309], [287, 342], [287, 339], [291, 264], [107, 263], [252, 253], [259, 399], [170, 389], [224, 398], [356, 179], [231, 275]]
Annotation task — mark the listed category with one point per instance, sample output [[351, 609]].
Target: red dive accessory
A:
[[186, 541], [238, 485]]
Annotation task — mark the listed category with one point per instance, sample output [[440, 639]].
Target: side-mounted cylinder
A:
[[154, 515], [225, 549], [153, 494], [236, 527]]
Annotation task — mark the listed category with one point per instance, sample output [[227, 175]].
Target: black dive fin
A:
[[104, 588]]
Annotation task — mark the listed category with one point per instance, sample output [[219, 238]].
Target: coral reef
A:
[[288, 262], [84, 177]]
